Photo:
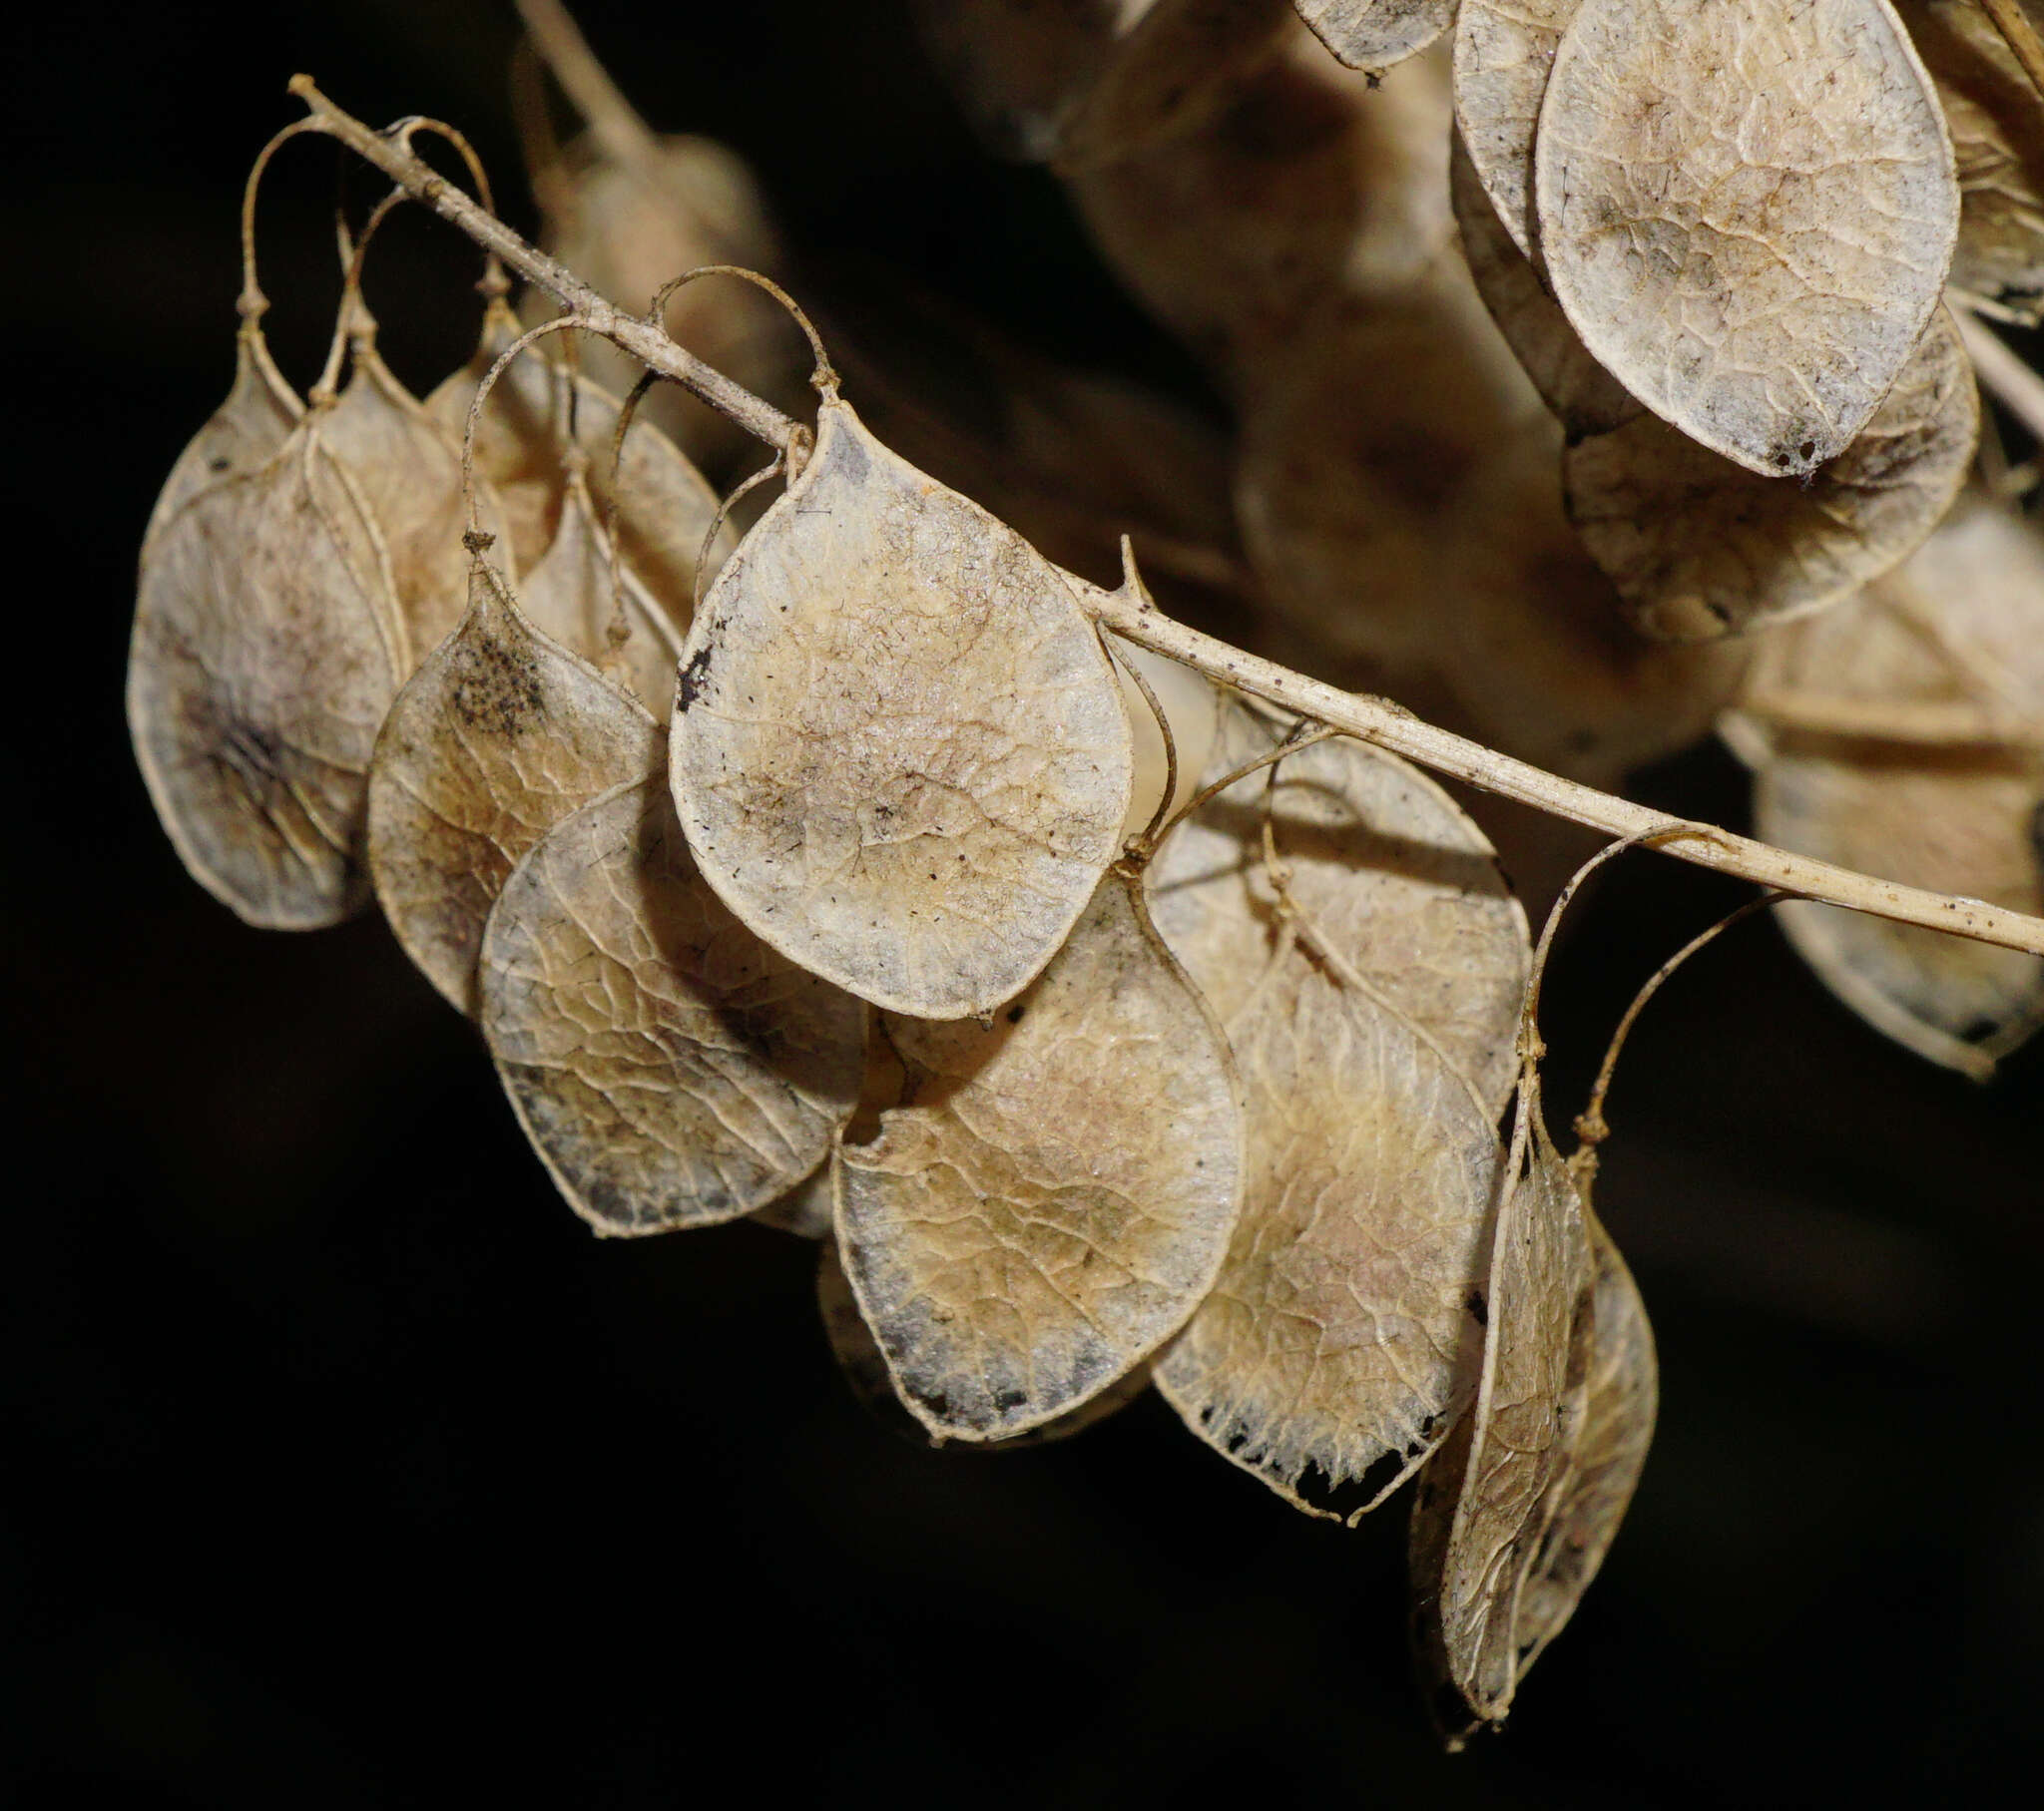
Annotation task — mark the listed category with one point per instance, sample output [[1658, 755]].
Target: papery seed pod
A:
[[499, 734], [409, 473], [1055, 1195], [1747, 212], [241, 435], [266, 650], [897, 748], [523, 448], [671, 1069], [1374, 34], [1504, 50], [569, 596], [1090, 81], [864, 1367]]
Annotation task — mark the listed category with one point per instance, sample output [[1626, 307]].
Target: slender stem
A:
[[2010, 20], [613, 119], [646, 343], [2008, 380], [1374, 720]]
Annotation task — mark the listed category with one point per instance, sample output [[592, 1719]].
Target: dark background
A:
[[342, 1468]]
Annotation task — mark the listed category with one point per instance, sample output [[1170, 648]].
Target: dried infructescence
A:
[[499, 736], [671, 1070], [898, 749], [1056, 1193]]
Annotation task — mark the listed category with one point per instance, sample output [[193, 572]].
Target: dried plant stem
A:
[[2006, 378], [646, 343], [1374, 720], [2014, 26]]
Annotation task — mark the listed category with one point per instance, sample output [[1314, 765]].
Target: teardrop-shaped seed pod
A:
[[1504, 50], [266, 650], [1622, 1401], [864, 1367], [1374, 34], [1747, 209], [665, 505], [1579, 392], [499, 736], [1996, 118], [1953, 638], [1083, 84], [1390, 871], [1334, 1352], [239, 436], [898, 749], [1700, 547], [568, 595], [409, 472], [671, 1069], [1483, 1507], [1057, 1192]]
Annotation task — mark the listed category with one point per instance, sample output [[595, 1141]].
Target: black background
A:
[[342, 1468]]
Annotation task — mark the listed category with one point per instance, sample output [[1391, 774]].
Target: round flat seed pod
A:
[[1089, 81], [499, 736], [1057, 1194], [1583, 396], [1700, 547], [266, 650], [1621, 1403], [1504, 50], [409, 473], [670, 1068], [1996, 119], [1388, 870], [568, 597], [665, 505], [864, 1367], [1747, 209], [1956, 632], [1374, 34], [1469, 1566], [1334, 1350], [898, 749], [238, 437]]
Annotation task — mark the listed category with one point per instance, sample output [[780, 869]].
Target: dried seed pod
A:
[[266, 650], [1504, 50], [568, 595], [1996, 118], [1622, 1399], [1534, 643], [1747, 209], [1951, 639], [1314, 183], [671, 1069], [1374, 34], [1700, 547], [409, 471], [239, 436], [1579, 392], [1332, 1355], [1091, 81], [499, 736], [864, 1366], [1192, 709], [1388, 868], [898, 749], [664, 504], [1057, 1194], [1486, 1499]]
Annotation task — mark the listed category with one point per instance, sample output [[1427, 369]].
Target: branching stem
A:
[[1374, 720], [2014, 26]]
